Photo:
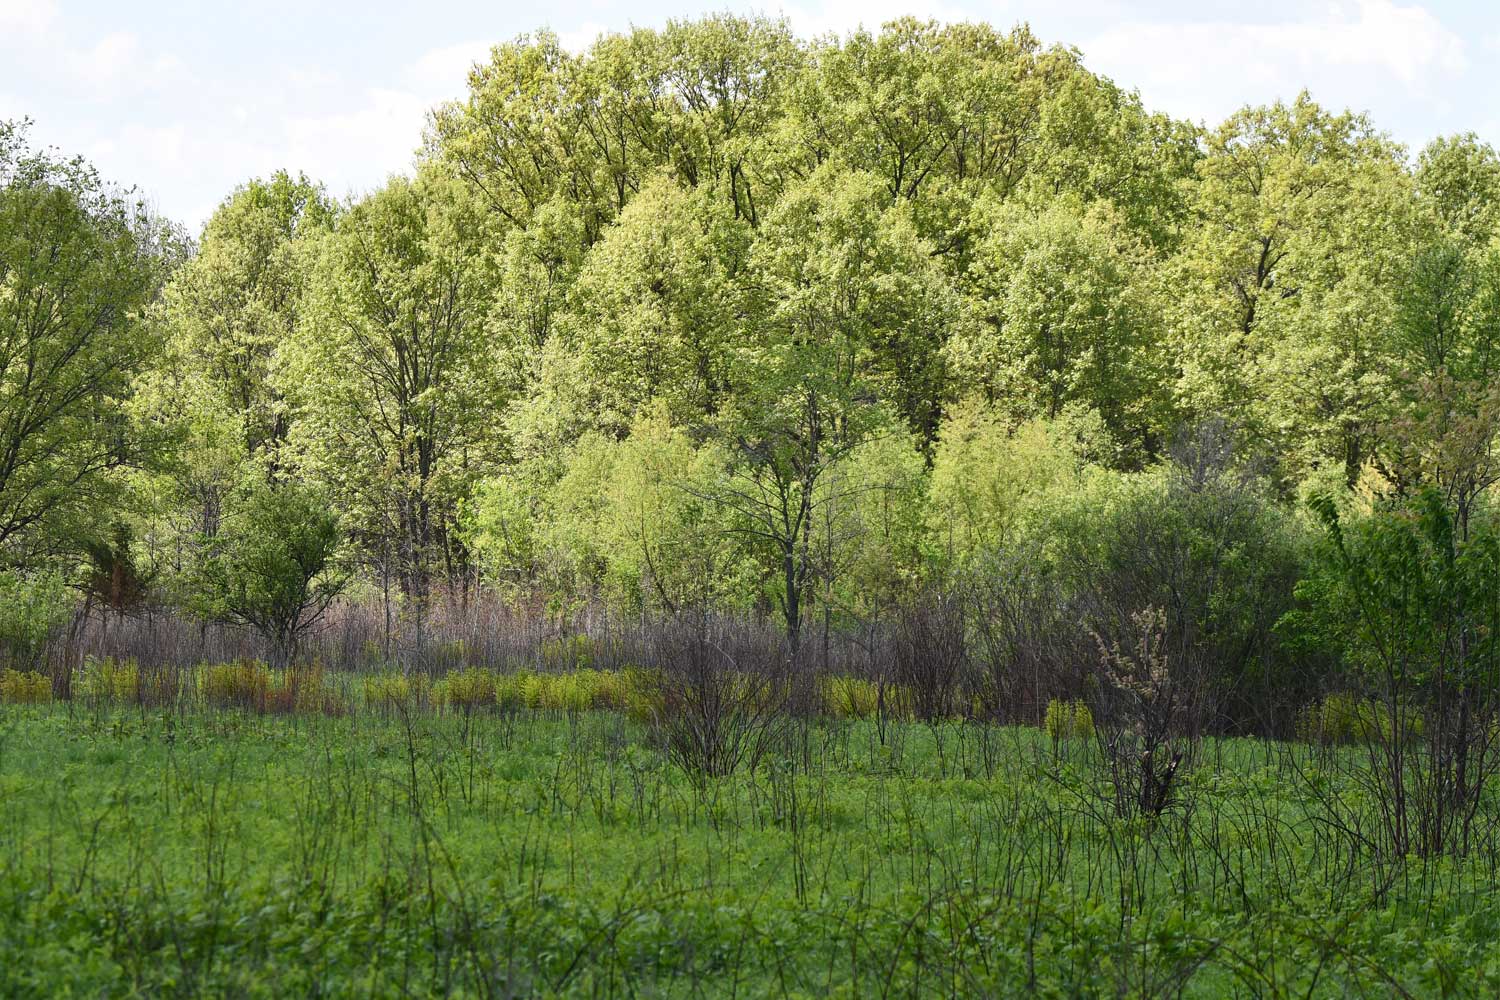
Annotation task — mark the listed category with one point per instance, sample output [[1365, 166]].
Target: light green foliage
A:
[[1458, 180], [24, 687], [1301, 220], [1068, 720], [1068, 316], [390, 374], [869, 524], [854, 303], [34, 608], [988, 478], [1346, 718], [655, 313]]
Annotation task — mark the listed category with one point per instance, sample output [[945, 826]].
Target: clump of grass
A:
[[302, 689], [1344, 718], [27, 687], [110, 681], [849, 697]]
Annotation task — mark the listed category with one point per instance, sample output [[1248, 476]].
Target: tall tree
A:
[[80, 264], [394, 389]]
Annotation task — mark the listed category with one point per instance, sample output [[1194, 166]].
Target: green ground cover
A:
[[529, 853]]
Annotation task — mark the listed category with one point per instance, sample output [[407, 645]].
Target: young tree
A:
[[271, 568]]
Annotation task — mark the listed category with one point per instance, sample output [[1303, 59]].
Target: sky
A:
[[187, 100]]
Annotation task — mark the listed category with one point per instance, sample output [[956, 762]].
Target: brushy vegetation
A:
[[759, 516], [485, 850]]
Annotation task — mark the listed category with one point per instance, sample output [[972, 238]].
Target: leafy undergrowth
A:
[[520, 853]]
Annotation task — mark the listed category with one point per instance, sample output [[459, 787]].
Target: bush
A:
[[302, 689], [246, 684], [849, 697], [466, 690], [24, 687], [1342, 719], [392, 692], [1068, 720], [110, 681], [33, 608]]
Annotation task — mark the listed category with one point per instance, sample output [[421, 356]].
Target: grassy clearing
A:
[[508, 850]]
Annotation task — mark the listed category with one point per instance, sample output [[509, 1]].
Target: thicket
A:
[[921, 364]]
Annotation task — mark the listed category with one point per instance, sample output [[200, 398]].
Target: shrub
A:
[[302, 689], [391, 692], [1067, 720], [510, 690], [466, 690], [110, 680], [245, 684], [24, 687], [33, 608], [571, 652], [849, 697], [723, 700], [1342, 719]]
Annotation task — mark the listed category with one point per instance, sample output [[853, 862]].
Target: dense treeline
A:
[[846, 335]]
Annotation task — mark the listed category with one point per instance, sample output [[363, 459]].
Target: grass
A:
[[522, 845]]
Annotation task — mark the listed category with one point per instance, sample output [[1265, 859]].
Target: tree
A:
[[655, 313], [1301, 223], [271, 568], [1069, 318], [394, 388], [853, 310], [1413, 606], [79, 267]]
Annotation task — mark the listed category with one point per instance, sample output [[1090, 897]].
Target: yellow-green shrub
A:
[[510, 690], [110, 680], [466, 690], [1346, 718], [391, 691], [1067, 720], [570, 652], [24, 687], [849, 697], [302, 689], [245, 684]]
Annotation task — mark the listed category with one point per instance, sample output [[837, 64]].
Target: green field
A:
[[530, 853]]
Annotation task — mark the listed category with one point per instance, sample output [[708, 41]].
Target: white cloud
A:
[[578, 40], [20, 19], [1346, 52], [442, 74]]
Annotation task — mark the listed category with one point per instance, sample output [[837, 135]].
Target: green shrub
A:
[[391, 691], [246, 684], [110, 681], [27, 687], [466, 690], [1341, 719], [849, 697], [33, 607], [571, 652], [1068, 720]]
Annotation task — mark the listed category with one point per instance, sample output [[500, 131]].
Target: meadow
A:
[[367, 835]]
